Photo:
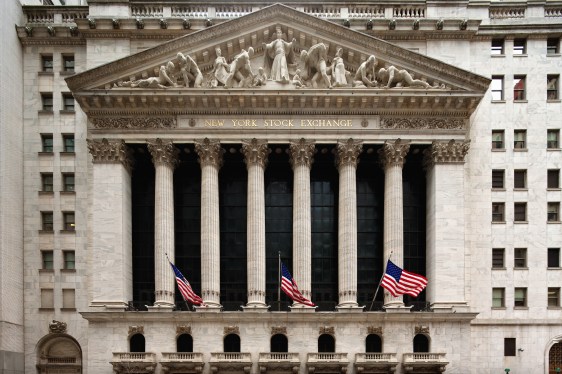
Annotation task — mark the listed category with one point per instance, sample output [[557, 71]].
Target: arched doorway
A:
[[279, 343], [137, 343], [326, 343], [373, 343], [555, 358], [421, 343], [184, 343], [59, 353], [232, 343]]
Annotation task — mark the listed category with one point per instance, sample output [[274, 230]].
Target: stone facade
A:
[[103, 54]]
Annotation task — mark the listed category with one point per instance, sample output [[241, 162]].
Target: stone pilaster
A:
[[301, 154], [165, 158], [347, 157], [256, 152], [210, 158], [392, 156], [445, 245], [111, 245]]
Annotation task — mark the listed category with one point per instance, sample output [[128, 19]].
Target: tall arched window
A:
[[421, 343], [184, 343], [279, 343], [326, 343], [56, 348], [555, 358], [232, 343], [373, 343], [137, 343]]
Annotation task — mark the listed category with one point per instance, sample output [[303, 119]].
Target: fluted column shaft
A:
[[256, 152], [210, 158], [164, 157], [393, 157], [346, 159], [301, 158]]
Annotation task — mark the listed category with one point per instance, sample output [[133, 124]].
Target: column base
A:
[[396, 308], [450, 307], [208, 308], [255, 307], [350, 308], [301, 308], [161, 308]]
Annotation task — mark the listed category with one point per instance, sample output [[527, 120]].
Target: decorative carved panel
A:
[[278, 330], [136, 330], [231, 330], [421, 329], [183, 329], [57, 327], [374, 330], [423, 123], [327, 330], [134, 123]]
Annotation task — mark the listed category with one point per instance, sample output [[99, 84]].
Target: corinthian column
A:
[[210, 158], [346, 161], [301, 154], [111, 247], [255, 152], [445, 220], [165, 159], [392, 157]]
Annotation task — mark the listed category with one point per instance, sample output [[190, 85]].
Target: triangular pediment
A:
[[157, 72]]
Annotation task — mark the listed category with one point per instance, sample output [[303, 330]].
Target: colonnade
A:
[[112, 156]]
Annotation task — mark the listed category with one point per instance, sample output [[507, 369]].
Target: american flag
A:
[[185, 288], [398, 281], [289, 286]]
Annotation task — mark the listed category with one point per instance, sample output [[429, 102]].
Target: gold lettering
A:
[[213, 123]]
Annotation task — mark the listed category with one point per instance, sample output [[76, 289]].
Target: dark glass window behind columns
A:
[[233, 184], [187, 217], [278, 221], [370, 226], [414, 215], [324, 180], [142, 191]]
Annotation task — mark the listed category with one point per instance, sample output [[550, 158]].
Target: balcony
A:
[[327, 362], [424, 363], [180, 362], [49, 364], [133, 362], [232, 362], [279, 361], [375, 362]]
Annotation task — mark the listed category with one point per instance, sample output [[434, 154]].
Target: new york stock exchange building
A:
[[228, 138]]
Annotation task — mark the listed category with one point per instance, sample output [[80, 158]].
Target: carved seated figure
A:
[[297, 80], [315, 65], [188, 70], [241, 74], [260, 78], [163, 79], [399, 78], [365, 74]]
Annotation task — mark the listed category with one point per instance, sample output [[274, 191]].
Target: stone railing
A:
[[54, 14], [231, 357], [406, 11], [232, 11], [182, 357], [190, 11], [553, 11], [279, 356], [148, 357], [151, 11], [61, 360], [409, 358], [326, 357], [507, 12], [358, 11], [362, 358]]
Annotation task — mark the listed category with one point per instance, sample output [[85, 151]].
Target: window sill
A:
[[65, 73], [45, 153], [46, 73], [67, 153], [68, 192], [498, 101], [553, 55], [46, 309], [520, 101], [64, 111], [48, 193], [498, 189], [553, 222], [68, 270], [42, 111], [498, 56], [520, 308], [521, 189], [521, 55], [498, 222], [499, 268], [520, 222], [498, 149], [68, 309], [498, 308], [553, 100], [67, 231], [46, 271], [554, 149], [550, 307], [520, 149], [554, 189], [554, 268], [520, 268], [46, 231]]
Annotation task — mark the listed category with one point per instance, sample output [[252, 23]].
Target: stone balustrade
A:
[[424, 361]]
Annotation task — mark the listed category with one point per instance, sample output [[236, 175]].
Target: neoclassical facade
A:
[[227, 139]]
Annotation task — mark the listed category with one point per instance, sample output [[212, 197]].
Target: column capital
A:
[[301, 152], [255, 152], [394, 153], [163, 152], [446, 152], [106, 151], [347, 152], [210, 152]]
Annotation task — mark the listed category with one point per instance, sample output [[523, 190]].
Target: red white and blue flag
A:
[[398, 281], [185, 288], [289, 286]]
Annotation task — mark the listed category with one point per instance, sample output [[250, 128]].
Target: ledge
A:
[[68, 192], [554, 149], [41, 153], [520, 101], [67, 231], [521, 55], [46, 192], [520, 222], [46, 231], [498, 149], [553, 222], [521, 268], [499, 268], [557, 268], [46, 271], [498, 101], [45, 112], [520, 149], [64, 111], [552, 101], [68, 270], [46, 73], [65, 73], [67, 153]]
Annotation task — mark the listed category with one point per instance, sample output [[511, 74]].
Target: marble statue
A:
[[339, 74], [260, 78], [189, 70], [241, 74], [365, 74], [297, 80], [221, 69], [277, 53], [315, 65], [395, 77], [163, 79]]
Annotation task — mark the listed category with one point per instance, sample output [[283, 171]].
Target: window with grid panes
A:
[[553, 211], [552, 87], [552, 46], [47, 182], [47, 221], [520, 212], [68, 142], [520, 139], [553, 178], [68, 102], [47, 102], [497, 47], [497, 139], [498, 297], [520, 178], [47, 63], [68, 63], [47, 260], [498, 258], [47, 143], [498, 212], [519, 46], [520, 297], [554, 296], [68, 182], [497, 87], [498, 176], [68, 260], [553, 257], [519, 87], [520, 257], [68, 221], [552, 138]]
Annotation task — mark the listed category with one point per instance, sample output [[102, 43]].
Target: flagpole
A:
[[379, 286], [279, 282]]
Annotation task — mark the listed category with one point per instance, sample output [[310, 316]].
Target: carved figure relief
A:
[[57, 327], [314, 61], [393, 77], [220, 69], [188, 71], [365, 75], [278, 54], [241, 74], [339, 74], [163, 79]]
